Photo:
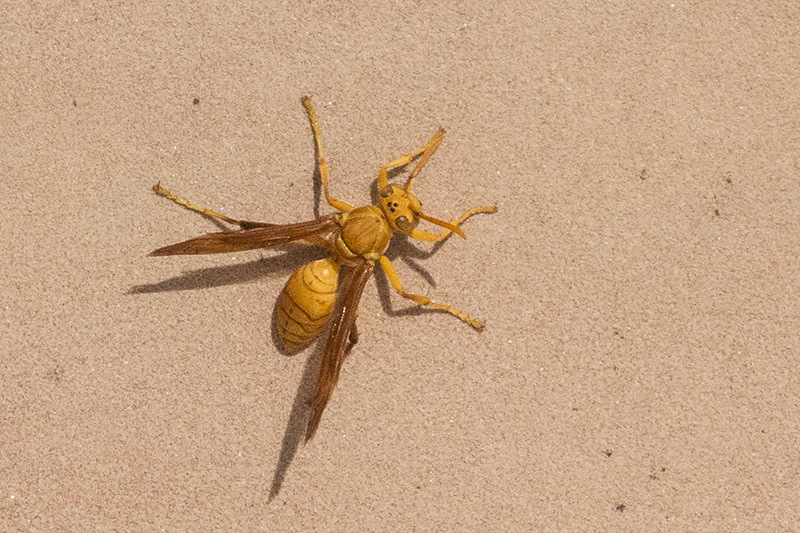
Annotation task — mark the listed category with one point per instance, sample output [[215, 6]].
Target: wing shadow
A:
[[210, 277], [298, 417]]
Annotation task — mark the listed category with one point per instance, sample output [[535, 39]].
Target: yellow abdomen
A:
[[306, 302]]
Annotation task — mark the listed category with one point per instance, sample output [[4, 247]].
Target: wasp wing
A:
[[249, 239], [339, 342]]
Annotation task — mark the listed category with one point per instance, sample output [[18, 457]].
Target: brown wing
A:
[[338, 343], [248, 239]]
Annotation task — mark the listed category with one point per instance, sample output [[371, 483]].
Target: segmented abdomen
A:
[[306, 302]]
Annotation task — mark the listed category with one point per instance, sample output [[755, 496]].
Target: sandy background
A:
[[639, 370]]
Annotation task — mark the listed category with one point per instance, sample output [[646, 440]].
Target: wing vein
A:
[[249, 239]]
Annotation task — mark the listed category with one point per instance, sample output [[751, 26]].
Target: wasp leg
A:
[[428, 149], [431, 147], [323, 165], [352, 341], [244, 224], [430, 237], [421, 300]]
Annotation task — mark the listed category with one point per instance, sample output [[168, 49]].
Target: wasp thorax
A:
[[363, 232]]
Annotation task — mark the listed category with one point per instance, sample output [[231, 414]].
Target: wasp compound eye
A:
[[403, 224]]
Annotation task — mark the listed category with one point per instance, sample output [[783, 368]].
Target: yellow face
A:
[[400, 207]]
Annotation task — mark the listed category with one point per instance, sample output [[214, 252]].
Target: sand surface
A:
[[639, 370]]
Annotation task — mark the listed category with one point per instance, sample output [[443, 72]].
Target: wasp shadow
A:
[[238, 274], [298, 418], [251, 271]]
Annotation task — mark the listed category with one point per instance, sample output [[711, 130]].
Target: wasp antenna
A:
[[452, 227]]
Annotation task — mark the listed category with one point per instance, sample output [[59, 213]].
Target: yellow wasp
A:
[[356, 238]]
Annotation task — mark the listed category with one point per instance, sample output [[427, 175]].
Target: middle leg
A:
[[323, 165]]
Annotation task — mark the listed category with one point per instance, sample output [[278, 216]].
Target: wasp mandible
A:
[[356, 238]]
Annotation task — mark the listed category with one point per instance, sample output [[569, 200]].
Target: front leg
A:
[[428, 149]]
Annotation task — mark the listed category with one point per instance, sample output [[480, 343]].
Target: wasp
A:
[[356, 237]]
